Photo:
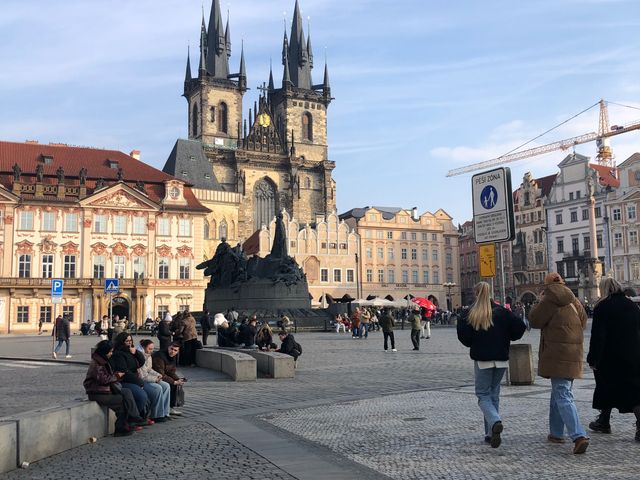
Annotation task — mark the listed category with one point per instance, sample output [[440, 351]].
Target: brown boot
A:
[[580, 445]]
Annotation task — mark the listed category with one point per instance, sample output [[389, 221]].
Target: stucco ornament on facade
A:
[[118, 199], [164, 251], [119, 248], [24, 246], [70, 248], [98, 248], [139, 250], [185, 251], [47, 245]]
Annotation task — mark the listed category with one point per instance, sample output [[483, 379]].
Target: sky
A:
[[420, 86]]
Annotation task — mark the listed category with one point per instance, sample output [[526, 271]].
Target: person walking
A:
[[387, 324], [62, 333], [488, 330], [365, 323], [614, 356], [164, 331], [562, 320], [355, 323], [416, 321], [206, 323]]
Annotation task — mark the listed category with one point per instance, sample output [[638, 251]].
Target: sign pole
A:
[[111, 309], [53, 330], [504, 297]]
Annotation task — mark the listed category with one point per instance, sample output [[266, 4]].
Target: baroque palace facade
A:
[[83, 215]]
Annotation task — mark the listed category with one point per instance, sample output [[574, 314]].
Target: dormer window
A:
[[114, 164], [174, 193], [47, 159]]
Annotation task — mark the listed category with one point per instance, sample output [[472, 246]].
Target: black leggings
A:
[[388, 335]]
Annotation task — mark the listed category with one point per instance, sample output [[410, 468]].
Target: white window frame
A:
[[46, 265], [119, 266], [120, 224], [70, 222], [100, 223], [139, 225], [184, 268], [184, 227], [48, 222], [26, 220], [164, 226], [324, 275], [164, 268]]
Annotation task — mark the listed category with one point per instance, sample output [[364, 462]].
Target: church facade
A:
[[245, 169]]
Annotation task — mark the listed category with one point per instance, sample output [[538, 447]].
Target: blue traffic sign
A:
[[112, 285], [57, 286], [489, 197]]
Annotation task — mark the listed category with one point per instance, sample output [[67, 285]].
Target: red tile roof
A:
[[96, 161], [545, 183], [607, 176]]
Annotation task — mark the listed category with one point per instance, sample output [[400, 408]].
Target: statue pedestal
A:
[[258, 294]]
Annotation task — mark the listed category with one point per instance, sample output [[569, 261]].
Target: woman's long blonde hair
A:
[[609, 286], [480, 312]]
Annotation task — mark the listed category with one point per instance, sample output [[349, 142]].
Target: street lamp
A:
[[449, 286]]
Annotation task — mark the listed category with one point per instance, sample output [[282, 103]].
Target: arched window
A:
[[212, 228], [194, 120], [264, 203], [206, 230], [222, 118], [307, 182], [212, 114], [223, 229], [307, 126]]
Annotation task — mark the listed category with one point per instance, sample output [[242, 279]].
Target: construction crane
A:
[[604, 156]]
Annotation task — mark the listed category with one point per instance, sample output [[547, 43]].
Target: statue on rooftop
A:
[[17, 171]]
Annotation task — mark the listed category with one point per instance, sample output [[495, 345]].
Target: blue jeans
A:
[[55, 350], [139, 396], [562, 410], [364, 328], [159, 396], [488, 393]]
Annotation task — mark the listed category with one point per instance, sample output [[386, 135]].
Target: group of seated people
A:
[[247, 335], [140, 386]]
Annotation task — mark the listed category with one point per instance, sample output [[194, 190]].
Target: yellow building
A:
[[327, 251], [83, 215], [406, 253]]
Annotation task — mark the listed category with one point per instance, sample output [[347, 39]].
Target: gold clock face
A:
[[264, 120]]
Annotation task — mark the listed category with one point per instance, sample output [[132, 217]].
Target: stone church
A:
[[245, 169]]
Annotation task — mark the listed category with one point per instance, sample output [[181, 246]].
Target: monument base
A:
[[258, 294]]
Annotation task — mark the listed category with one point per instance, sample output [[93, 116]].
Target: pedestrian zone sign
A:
[[493, 206], [112, 285]]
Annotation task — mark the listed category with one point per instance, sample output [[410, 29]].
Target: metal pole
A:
[[504, 298], [53, 330], [111, 309]]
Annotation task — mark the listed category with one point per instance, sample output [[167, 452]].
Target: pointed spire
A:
[[202, 67], [271, 85], [285, 47], [286, 76], [326, 88], [298, 55], [217, 49], [309, 51], [227, 36], [187, 73], [242, 76]]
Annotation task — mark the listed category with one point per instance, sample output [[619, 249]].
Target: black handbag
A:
[[179, 401], [116, 387]]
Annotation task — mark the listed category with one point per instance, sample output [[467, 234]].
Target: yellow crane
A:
[[604, 156]]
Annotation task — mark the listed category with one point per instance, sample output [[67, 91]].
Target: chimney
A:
[[31, 142], [414, 213], [135, 154]]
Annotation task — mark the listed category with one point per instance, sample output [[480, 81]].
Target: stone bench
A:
[[238, 365], [272, 364], [37, 434]]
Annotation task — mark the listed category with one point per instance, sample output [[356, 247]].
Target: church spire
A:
[[227, 37], [271, 85], [202, 68], [187, 73], [242, 76], [309, 50], [286, 76], [298, 53], [217, 63]]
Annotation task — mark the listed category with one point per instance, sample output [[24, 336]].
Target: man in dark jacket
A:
[[62, 332], [387, 324], [206, 324], [289, 345], [247, 332], [165, 363], [128, 360]]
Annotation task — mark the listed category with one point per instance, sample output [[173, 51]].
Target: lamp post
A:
[[449, 286]]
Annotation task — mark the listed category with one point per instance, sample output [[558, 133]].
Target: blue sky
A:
[[420, 86]]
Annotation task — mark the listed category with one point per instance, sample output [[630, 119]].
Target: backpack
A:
[[299, 347]]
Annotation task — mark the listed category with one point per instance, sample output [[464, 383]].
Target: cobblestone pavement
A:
[[353, 411]]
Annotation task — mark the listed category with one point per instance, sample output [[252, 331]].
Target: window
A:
[[617, 239], [71, 222], [24, 266], [337, 275], [45, 314], [403, 235], [380, 234], [558, 218], [434, 255], [100, 224], [380, 276], [390, 235], [369, 275], [424, 236], [69, 266], [68, 311], [390, 254], [575, 246], [633, 238], [425, 276], [223, 124], [369, 252], [222, 229], [539, 258], [617, 214], [403, 254], [324, 274], [307, 127], [164, 227], [23, 314], [570, 195], [162, 310], [599, 240], [436, 277], [48, 221], [414, 236], [526, 198], [434, 237], [598, 212], [631, 212], [212, 115], [163, 268], [447, 240], [448, 260], [118, 266], [119, 224], [373, 217], [205, 230], [368, 234], [586, 241], [560, 248], [381, 252], [425, 254], [405, 276], [574, 216], [47, 266], [571, 269], [26, 220], [98, 266], [350, 275], [139, 264], [578, 193], [185, 268], [414, 254], [414, 276], [585, 214], [139, 225], [194, 120], [391, 276], [450, 277], [184, 227]]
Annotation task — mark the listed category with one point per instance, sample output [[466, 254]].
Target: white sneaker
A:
[[55, 355], [67, 356], [394, 350], [175, 412]]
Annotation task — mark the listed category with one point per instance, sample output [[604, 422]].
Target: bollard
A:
[[521, 364]]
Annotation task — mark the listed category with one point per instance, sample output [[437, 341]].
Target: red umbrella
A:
[[424, 303]]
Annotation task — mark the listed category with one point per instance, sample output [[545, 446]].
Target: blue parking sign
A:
[[57, 287]]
